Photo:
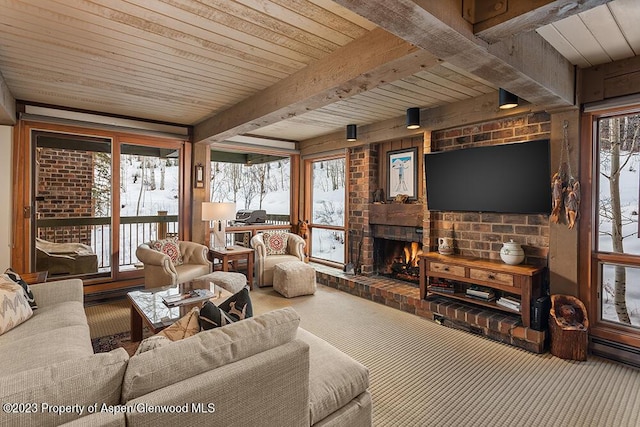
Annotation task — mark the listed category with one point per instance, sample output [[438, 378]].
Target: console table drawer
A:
[[491, 276], [453, 270]]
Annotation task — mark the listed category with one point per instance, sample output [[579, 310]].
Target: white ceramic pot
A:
[[445, 245], [512, 253]]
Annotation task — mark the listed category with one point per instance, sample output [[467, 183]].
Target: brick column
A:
[[363, 181]]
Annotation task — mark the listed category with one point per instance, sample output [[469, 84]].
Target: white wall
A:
[[6, 143]]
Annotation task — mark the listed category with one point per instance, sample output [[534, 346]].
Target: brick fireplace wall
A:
[[482, 234], [475, 234]]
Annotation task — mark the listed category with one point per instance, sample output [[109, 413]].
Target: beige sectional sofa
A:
[[263, 371]]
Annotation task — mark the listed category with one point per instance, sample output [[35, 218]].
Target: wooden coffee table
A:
[[148, 308]]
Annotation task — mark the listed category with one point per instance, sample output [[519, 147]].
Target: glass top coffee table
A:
[[148, 307]]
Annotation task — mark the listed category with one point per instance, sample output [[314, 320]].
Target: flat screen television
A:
[[506, 178]]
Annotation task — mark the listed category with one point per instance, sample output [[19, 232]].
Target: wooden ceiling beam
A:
[[368, 62], [7, 104], [524, 64], [527, 15]]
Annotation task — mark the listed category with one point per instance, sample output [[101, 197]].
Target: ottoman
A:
[[294, 278], [232, 282]]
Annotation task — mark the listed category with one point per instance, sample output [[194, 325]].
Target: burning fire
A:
[[411, 253]]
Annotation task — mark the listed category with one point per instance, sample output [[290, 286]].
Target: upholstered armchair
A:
[[271, 252], [164, 266]]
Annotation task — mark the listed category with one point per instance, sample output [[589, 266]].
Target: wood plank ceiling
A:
[[295, 69]]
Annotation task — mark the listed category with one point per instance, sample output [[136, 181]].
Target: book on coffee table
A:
[[189, 297]]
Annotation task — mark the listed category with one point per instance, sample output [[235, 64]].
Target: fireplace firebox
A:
[[397, 259]]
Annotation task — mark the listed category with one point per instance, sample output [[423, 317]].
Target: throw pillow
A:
[[236, 307], [276, 243], [15, 308], [185, 327], [170, 247], [152, 342], [15, 277]]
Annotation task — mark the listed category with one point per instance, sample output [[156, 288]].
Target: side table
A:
[[232, 254]]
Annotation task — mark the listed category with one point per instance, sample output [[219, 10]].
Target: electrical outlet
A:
[[438, 318]]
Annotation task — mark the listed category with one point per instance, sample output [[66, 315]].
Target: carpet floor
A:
[[424, 374]]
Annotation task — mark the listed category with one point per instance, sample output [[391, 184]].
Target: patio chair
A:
[[60, 259]]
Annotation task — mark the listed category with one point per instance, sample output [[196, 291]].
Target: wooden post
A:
[[162, 226]]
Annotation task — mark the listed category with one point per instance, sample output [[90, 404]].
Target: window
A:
[[252, 181], [149, 198], [327, 179], [617, 245]]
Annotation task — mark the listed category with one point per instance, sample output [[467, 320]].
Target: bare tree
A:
[[162, 172], [101, 189], [151, 166], [235, 180], [141, 193]]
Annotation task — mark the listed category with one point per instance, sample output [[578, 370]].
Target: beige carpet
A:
[[109, 318], [423, 374]]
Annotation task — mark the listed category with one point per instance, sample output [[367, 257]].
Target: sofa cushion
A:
[[170, 247], [236, 307], [15, 277], [99, 419], [276, 243], [207, 350], [334, 377], [82, 381], [14, 307], [51, 318], [53, 334], [44, 349]]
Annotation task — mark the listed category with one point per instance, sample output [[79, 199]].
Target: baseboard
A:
[[615, 351]]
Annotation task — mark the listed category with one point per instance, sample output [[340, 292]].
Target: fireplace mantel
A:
[[407, 215]]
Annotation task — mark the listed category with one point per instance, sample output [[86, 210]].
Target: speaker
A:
[[540, 313]]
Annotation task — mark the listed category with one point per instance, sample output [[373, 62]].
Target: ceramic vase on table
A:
[[512, 253], [445, 245]]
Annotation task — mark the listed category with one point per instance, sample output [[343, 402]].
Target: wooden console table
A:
[[524, 281], [232, 254]]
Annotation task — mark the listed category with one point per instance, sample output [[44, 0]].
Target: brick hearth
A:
[[401, 295]]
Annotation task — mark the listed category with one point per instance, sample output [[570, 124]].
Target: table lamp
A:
[[220, 213]]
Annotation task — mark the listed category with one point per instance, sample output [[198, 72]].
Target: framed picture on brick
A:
[[402, 173]]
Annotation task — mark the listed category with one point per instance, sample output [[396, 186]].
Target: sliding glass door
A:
[[83, 228], [149, 198], [72, 199]]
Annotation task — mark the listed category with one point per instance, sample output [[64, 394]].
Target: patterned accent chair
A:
[[161, 270], [268, 256]]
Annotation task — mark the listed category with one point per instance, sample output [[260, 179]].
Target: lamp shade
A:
[[218, 211], [413, 118], [507, 99], [352, 132]]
